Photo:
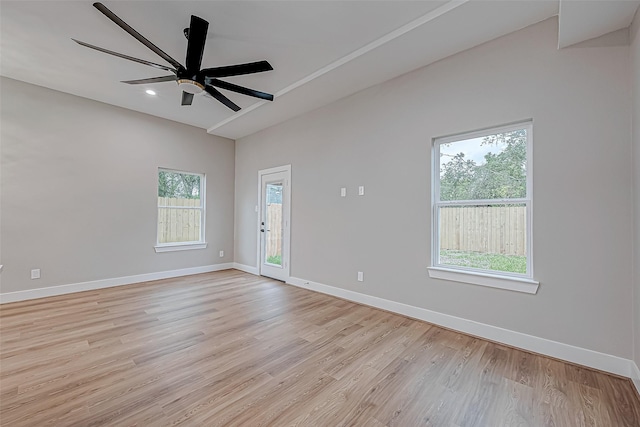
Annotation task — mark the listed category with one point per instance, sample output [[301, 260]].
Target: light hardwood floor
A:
[[232, 349]]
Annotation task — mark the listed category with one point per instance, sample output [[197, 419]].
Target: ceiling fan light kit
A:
[[190, 86], [190, 78]]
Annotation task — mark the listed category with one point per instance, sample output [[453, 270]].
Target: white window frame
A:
[[183, 246], [491, 278]]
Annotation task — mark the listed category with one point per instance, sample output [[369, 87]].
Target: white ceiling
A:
[[321, 51], [585, 20]]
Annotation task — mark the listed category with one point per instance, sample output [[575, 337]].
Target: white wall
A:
[[79, 189], [635, 73], [579, 101]]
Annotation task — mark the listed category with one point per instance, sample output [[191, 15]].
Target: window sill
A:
[[483, 279], [172, 247]]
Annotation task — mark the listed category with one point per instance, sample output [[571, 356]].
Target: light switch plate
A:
[[343, 192]]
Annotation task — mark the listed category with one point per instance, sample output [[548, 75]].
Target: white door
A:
[[274, 220]]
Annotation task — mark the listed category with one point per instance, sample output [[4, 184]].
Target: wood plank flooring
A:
[[232, 349]]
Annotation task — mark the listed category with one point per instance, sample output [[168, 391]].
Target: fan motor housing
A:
[[190, 86]]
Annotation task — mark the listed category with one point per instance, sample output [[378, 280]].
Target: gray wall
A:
[[635, 68], [79, 188], [579, 101]]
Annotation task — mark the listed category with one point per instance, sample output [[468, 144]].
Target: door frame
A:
[[286, 236]]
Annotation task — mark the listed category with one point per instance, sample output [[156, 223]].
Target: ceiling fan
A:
[[191, 79]]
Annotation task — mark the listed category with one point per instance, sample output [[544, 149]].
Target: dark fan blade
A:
[[102, 8], [120, 55], [240, 89], [220, 97], [151, 80], [187, 98], [237, 70], [195, 46]]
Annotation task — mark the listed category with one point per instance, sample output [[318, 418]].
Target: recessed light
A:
[[150, 92]]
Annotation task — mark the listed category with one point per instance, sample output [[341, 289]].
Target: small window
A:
[[181, 210], [482, 202]]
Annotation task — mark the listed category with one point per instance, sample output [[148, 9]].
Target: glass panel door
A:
[[274, 224]]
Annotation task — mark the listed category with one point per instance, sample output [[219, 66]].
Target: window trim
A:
[[173, 247], [503, 280], [511, 283], [190, 245]]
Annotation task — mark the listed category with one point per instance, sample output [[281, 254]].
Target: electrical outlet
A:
[[361, 190], [221, 254], [35, 273], [360, 276], [343, 192]]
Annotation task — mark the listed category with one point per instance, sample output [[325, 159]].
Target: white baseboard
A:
[[107, 283], [635, 376], [246, 268], [582, 356]]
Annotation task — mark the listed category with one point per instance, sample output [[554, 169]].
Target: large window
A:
[[181, 208], [482, 204]]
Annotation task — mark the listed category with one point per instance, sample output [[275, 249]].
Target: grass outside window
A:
[[484, 261]]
